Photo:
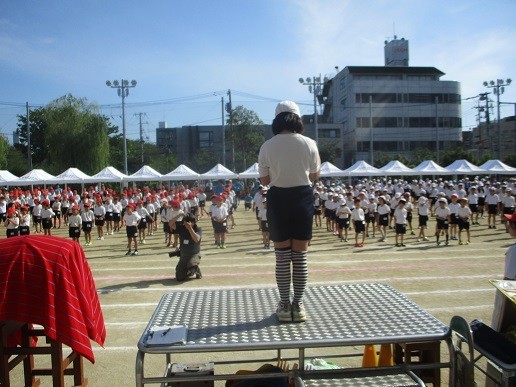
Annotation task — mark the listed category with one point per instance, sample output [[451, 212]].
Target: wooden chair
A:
[[11, 356]]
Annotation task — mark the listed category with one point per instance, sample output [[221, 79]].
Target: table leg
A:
[[139, 368], [301, 358]]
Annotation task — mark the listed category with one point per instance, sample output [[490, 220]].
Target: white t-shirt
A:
[[288, 159], [510, 263]]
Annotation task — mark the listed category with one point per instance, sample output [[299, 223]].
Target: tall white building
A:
[[393, 109]]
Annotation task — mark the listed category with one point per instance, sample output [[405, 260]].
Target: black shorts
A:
[[463, 224], [220, 227], [409, 216], [317, 210], [87, 226], [64, 210], [99, 222], [343, 223], [492, 209], [37, 219], [12, 232], [481, 201], [166, 228], [401, 228], [473, 207], [359, 226], [202, 203], [265, 226], [143, 224], [116, 216], [508, 210], [423, 220], [370, 218], [74, 232], [442, 224], [57, 214], [47, 223], [383, 220], [453, 219], [290, 213], [24, 230], [131, 231], [109, 216]]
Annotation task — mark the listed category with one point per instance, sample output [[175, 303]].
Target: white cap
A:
[[287, 106]]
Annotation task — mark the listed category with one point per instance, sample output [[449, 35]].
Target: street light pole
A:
[[123, 91], [314, 86], [498, 88]]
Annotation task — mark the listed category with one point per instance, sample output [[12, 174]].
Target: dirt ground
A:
[[445, 280]]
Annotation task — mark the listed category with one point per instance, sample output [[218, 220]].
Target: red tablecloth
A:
[[46, 280]]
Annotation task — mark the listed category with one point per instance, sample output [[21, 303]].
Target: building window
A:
[[205, 139], [329, 133]]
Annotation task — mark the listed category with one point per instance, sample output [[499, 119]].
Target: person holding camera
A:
[[190, 236]]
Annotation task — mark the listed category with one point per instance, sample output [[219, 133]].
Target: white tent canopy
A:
[[145, 173], [429, 167], [182, 172], [71, 175], [219, 172], [361, 168], [36, 176], [6, 176], [464, 167], [397, 168], [250, 173], [107, 175], [496, 167], [330, 170]]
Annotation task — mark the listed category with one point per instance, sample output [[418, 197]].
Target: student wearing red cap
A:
[[74, 224], [87, 217], [24, 220], [46, 217], [131, 220], [12, 223]]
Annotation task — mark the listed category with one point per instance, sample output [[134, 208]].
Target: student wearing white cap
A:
[[289, 163], [492, 202], [442, 215]]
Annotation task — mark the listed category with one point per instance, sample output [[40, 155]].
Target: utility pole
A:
[[485, 97], [223, 133], [371, 136], [229, 109], [29, 150], [437, 129], [141, 135], [498, 88]]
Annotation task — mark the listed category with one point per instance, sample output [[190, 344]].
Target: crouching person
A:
[[189, 251]]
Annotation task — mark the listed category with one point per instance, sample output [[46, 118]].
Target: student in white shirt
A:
[[74, 224], [442, 215], [358, 218], [131, 220], [400, 221], [219, 216], [463, 219], [87, 217]]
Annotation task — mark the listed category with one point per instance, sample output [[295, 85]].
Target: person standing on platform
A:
[[289, 163]]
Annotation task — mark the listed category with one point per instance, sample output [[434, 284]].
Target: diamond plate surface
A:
[[336, 314], [392, 380]]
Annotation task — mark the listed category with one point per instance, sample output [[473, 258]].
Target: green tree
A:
[[16, 162], [246, 135], [4, 149], [68, 132], [328, 151], [204, 160]]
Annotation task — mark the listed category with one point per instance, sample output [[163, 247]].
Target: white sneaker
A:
[[298, 312], [101, 238], [284, 312], [143, 242]]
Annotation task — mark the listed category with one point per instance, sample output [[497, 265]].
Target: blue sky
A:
[[185, 55]]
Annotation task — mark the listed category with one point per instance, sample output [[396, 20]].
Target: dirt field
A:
[[445, 280]]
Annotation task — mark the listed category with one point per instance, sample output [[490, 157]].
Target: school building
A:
[[392, 109]]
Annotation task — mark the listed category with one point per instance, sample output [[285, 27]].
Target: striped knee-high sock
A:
[[299, 274], [283, 258]]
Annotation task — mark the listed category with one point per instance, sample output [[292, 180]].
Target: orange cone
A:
[[370, 358], [385, 358]]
